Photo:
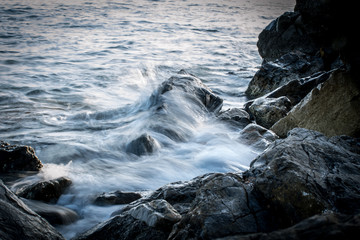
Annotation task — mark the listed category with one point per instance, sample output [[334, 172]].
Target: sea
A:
[[77, 76]]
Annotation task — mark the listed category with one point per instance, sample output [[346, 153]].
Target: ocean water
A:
[[76, 79]]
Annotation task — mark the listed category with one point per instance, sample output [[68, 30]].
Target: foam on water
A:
[[77, 80]]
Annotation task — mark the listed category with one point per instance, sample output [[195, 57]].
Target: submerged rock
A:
[[18, 158], [54, 214], [117, 197], [195, 90], [17, 221], [46, 191], [143, 145], [332, 108], [235, 116]]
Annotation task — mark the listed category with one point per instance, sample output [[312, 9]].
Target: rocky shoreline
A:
[[303, 116]]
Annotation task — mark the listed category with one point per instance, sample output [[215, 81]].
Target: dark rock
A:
[[267, 111], [195, 90], [235, 116], [283, 35], [224, 205], [123, 227], [54, 214], [46, 191], [324, 226], [296, 90], [117, 197], [18, 158], [291, 66], [257, 137], [17, 221], [332, 108], [143, 145], [307, 174]]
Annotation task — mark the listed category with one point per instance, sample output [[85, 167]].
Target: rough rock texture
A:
[[157, 213], [257, 136], [294, 179], [143, 145], [17, 221], [332, 108], [18, 158], [324, 226], [296, 90], [54, 214], [267, 111], [236, 116], [46, 191], [117, 197], [284, 35], [289, 67], [306, 174]]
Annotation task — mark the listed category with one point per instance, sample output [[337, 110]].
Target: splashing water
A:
[[77, 79]]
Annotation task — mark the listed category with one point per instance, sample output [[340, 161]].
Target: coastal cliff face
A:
[[305, 183]]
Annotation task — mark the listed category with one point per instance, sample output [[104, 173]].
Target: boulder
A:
[[46, 191], [307, 174], [18, 158], [323, 226], [17, 221], [54, 214], [332, 108], [283, 35], [257, 136], [267, 111], [116, 197], [194, 89], [235, 116], [143, 145], [289, 67]]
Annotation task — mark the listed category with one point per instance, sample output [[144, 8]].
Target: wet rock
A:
[[54, 214], [46, 191], [294, 179], [224, 205], [324, 226], [18, 158], [306, 174], [117, 197], [123, 227], [332, 108], [157, 213], [196, 91], [289, 67], [143, 145], [257, 136], [17, 221], [283, 35], [235, 116], [267, 111]]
